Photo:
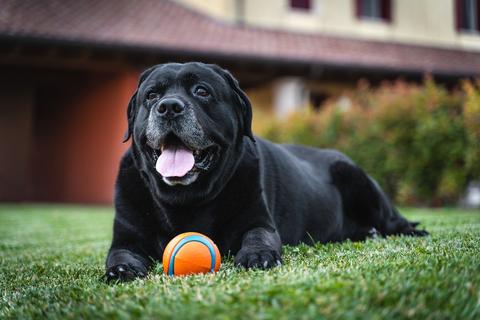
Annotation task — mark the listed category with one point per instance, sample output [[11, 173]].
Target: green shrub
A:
[[420, 142]]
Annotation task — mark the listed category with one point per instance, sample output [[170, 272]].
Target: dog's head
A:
[[188, 122]]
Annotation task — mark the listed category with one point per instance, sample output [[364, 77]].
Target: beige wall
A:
[[221, 9], [423, 22]]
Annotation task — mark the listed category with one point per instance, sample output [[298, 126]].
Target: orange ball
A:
[[189, 253]]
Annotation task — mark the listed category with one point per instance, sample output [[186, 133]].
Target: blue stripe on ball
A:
[[184, 241]]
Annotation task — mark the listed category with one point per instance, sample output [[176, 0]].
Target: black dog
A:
[[194, 165]]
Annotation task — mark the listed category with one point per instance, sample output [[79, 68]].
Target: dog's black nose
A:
[[170, 107]]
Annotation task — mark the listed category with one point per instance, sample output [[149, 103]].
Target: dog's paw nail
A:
[[279, 263], [121, 269], [265, 264], [111, 274]]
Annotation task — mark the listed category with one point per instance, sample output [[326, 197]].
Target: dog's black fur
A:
[[252, 197]]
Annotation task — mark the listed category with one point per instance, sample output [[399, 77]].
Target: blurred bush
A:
[[420, 142]]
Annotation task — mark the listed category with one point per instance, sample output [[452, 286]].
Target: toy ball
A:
[[189, 253]]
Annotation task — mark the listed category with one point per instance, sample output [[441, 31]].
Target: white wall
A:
[[422, 22]]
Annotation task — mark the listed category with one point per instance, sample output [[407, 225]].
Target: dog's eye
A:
[[152, 95], [201, 91]]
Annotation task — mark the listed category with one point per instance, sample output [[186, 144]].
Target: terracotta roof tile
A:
[[165, 25]]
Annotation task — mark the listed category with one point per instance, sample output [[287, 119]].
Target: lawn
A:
[[51, 263]]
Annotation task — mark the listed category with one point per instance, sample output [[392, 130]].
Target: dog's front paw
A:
[[261, 258], [124, 265], [125, 272]]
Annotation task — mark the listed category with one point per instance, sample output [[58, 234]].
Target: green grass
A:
[[51, 261]]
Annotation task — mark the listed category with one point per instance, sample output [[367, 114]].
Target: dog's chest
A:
[[192, 220], [208, 221]]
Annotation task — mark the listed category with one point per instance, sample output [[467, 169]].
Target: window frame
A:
[[385, 8], [460, 18]]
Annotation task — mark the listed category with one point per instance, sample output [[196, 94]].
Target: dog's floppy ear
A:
[[130, 116], [243, 101], [131, 109]]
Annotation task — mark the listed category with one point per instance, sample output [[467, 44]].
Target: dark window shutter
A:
[[458, 14], [358, 8], [300, 4], [478, 15], [386, 7]]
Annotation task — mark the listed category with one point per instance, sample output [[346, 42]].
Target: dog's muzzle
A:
[[177, 145]]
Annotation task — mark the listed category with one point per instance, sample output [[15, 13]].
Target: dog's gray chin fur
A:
[[187, 129], [181, 181]]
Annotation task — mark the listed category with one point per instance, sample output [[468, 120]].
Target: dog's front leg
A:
[[128, 258], [134, 244], [261, 248]]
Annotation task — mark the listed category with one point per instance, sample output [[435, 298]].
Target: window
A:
[[300, 4], [467, 13], [374, 10]]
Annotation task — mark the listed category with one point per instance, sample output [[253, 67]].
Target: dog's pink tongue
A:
[[175, 161]]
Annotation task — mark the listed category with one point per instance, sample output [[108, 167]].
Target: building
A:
[[68, 68]]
